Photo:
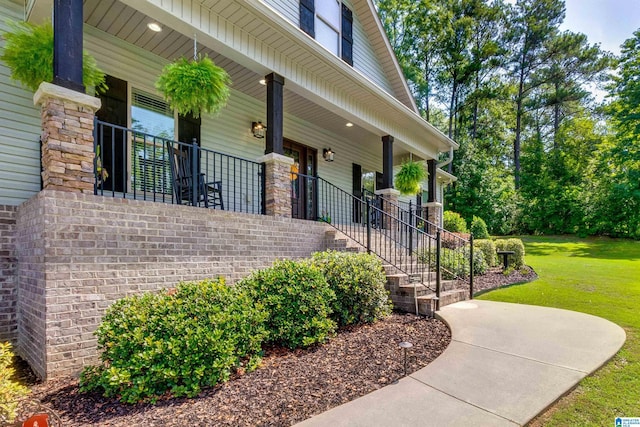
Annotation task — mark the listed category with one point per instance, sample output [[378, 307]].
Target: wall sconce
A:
[[328, 153], [258, 129]]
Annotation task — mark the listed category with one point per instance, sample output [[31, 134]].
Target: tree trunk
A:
[[556, 118]]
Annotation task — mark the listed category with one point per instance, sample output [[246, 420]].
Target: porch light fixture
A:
[[263, 82], [258, 129], [154, 26], [328, 153], [349, 125]]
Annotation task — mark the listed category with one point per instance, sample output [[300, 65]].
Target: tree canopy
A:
[[538, 152]]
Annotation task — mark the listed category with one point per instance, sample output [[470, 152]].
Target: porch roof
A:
[[250, 39]]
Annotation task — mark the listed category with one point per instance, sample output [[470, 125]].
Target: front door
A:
[[303, 183]]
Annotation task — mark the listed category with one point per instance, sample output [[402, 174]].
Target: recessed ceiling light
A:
[[349, 124], [263, 82], [154, 26]]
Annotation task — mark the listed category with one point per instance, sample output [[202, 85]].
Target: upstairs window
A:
[[330, 23]]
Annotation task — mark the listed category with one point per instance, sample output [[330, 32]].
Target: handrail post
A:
[[368, 214], [438, 245], [195, 179], [471, 267]]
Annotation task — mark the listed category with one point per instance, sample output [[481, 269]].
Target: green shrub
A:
[[479, 228], [10, 391], [175, 343], [298, 301], [488, 249], [453, 222], [454, 262], [515, 245], [358, 281]]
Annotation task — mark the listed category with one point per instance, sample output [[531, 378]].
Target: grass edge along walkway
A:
[[598, 276]]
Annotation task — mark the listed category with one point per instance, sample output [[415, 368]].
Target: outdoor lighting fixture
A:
[[154, 26], [405, 345], [349, 124], [258, 129], [328, 153], [263, 82]]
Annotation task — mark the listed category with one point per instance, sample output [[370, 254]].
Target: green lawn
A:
[[601, 277]]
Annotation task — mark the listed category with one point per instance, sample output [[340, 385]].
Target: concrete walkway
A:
[[506, 364]]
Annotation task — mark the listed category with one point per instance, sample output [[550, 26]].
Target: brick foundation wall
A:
[[30, 253], [97, 250], [8, 280]]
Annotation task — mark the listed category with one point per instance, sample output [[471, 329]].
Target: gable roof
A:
[[368, 16]]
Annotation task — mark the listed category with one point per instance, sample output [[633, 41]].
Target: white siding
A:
[[364, 57], [230, 132], [19, 128]]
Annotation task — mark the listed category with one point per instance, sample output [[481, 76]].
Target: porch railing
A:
[[137, 165], [406, 241]]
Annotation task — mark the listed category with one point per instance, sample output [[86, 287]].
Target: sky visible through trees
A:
[[538, 152]]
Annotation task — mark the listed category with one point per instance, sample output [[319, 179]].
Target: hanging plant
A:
[[409, 177], [194, 86], [29, 54]]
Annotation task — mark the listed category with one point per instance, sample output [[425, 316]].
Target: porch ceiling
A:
[[128, 24], [125, 22]]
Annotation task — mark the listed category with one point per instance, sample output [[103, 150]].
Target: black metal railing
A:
[[398, 237], [138, 165]]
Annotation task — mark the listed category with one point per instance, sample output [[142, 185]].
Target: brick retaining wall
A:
[[8, 283], [79, 253]]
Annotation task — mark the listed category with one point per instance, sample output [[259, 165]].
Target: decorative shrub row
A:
[[358, 282], [298, 302], [488, 249], [178, 342], [515, 245]]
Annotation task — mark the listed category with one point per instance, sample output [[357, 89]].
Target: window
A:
[[152, 117], [331, 23]]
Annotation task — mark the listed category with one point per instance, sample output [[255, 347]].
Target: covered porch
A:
[[314, 103]]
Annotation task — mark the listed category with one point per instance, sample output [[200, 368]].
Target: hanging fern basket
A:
[[409, 177], [194, 86], [29, 54]]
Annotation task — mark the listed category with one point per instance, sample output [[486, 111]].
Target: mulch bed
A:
[[494, 278], [289, 387]]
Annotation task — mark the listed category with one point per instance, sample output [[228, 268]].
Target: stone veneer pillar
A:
[[277, 170], [389, 195], [435, 213], [67, 138]]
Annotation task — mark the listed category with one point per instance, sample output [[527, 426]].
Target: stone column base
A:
[[389, 206], [67, 138], [277, 189], [435, 213]]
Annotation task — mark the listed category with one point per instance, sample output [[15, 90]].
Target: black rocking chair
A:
[[187, 191]]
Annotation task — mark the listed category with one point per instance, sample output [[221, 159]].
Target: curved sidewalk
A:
[[506, 364]]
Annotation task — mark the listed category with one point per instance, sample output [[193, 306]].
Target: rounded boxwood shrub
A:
[[479, 228], [452, 221], [298, 301], [488, 249], [515, 245], [175, 342], [358, 281]]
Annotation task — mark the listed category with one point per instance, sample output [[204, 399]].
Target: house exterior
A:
[[320, 76]]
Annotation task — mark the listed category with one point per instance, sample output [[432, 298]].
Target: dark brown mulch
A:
[[494, 278], [290, 386]]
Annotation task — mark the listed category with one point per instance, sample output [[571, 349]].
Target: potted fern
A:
[[194, 86], [409, 177], [29, 54]]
